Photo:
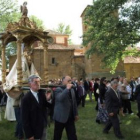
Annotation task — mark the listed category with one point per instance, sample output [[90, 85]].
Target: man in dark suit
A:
[[113, 104], [137, 96], [33, 110], [87, 85], [81, 92], [87, 88], [65, 110], [75, 90]]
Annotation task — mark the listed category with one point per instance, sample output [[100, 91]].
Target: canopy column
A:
[[19, 62], [3, 64], [45, 45]]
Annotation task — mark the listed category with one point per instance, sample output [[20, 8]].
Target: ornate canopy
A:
[[26, 32]]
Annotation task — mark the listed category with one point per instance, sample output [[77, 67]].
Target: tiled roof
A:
[[131, 59], [76, 46], [56, 47], [51, 32]]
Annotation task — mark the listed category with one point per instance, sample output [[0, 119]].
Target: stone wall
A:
[[78, 67], [65, 63], [132, 70], [94, 68]]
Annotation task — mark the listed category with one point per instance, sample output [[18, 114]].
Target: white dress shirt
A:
[[35, 95]]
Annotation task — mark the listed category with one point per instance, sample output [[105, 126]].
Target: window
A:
[[60, 40], [53, 60]]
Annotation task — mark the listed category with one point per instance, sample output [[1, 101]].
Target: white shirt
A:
[[35, 95], [129, 90]]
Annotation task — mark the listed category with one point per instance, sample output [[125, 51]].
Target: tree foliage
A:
[[112, 26], [38, 22], [8, 13], [64, 29]]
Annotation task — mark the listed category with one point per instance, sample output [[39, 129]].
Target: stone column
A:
[[19, 62], [45, 45], [3, 64]]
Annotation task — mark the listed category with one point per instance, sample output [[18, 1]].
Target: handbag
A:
[[97, 91]]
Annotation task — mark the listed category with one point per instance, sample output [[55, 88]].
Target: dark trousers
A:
[[70, 130], [19, 128], [83, 100], [96, 99], [127, 106], [138, 103], [132, 97], [113, 121]]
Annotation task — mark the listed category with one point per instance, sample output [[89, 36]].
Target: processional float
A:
[[25, 33]]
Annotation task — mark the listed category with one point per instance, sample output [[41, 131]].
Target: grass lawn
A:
[[87, 128]]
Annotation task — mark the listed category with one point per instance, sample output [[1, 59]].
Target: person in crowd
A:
[[3, 99], [3, 96], [81, 92], [96, 91], [139, 80], [123, 95], [75, 85], [136, 81], [120, 83], [102, 90], [1, 91], [137, 97], [91, 88], [108, 83], [19, 128], [33, 110], [127, 103], [102, 115], [65, 110], [133, 87], [9, 111], [87, 88], [113, 104]]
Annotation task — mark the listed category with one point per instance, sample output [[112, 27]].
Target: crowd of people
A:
[[113, 97]]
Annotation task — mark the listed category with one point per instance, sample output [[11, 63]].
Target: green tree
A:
[[64, 30], [112, 26], [38, 22], [8, 13]]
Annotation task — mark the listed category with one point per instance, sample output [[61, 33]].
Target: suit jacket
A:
[[34, 114], [63, 105], [76, 91], [81, 92], [86, 85], [102, 91], [132, 83], [96, 86], [112, 102]]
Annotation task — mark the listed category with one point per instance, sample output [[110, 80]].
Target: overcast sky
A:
[[53, 12]]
